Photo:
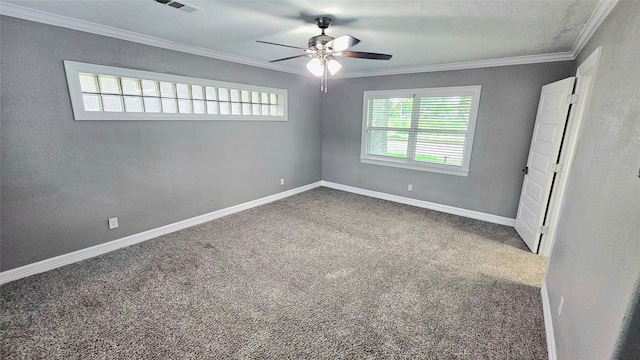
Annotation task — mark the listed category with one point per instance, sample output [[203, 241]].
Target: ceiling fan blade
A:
[[342, 43], [290, 57], [366, 55], [289, 46]]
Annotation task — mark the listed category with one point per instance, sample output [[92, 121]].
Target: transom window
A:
[[421, 129], [109, 93]]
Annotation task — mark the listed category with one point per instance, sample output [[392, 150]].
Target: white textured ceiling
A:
[[416, 33]]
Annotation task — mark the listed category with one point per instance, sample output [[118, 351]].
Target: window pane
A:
[[223, 94], [445, 114], [88, 83], [167, 89], [388, 143], [112, 103], [235, 109], [150, 88], [212, 107], [183, 91], [235, 95], [169, 106], [211, 93], [132, 103], [280, 106], [395, 113], [265, 98], [246, 96], [151, 105], [131, 86], [440, 148], [274, 98], [184, 106], [265, 109], [256, 109], [246, 109], [91, 102], [198, 106], [196, 92], [225, 108], [255, 97], [274, 110], [109, 84]]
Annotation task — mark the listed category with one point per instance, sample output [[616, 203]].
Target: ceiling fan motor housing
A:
[[319, 39]]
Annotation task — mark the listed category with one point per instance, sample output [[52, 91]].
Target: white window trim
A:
[[73, 68], [463, 170]]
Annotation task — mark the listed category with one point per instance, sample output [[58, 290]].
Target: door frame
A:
[[584, 83]]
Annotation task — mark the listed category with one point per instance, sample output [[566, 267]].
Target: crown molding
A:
[[93, 28], [516, 60], [602, 9], [598, 15]]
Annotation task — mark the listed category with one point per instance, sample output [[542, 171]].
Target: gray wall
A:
[[62, 179], [595, 263], [504, 127]]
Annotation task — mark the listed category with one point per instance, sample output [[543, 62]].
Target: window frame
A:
[[409, 163], [74, 68]]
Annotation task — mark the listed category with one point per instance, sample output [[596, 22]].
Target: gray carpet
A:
[[321, 275]]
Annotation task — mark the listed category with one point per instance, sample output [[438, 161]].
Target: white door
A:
[[551, 119]]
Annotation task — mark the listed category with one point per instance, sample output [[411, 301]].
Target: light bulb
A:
[[334, 66], [315, 67]]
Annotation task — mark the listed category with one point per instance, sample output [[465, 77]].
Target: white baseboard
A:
[[548, 324], [70, 258], [424, 204]]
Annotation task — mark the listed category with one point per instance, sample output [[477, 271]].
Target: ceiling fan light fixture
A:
[[323, 48], [334, 66], [316, 67]]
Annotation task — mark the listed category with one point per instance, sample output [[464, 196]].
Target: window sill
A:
[[81, 115], [413, 166]]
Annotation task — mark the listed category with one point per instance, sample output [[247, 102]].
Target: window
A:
[[110, 93], [421, 129]]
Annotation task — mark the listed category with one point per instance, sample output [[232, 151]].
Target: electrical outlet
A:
[[560, 306], [410, 187], [113, 223], [282, 181]]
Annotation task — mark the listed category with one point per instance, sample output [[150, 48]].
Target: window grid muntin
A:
[[267, 103]]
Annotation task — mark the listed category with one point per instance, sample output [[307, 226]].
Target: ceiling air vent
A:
[[179, 5]]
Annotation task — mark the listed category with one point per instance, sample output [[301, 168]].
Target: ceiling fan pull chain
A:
[[326, 79]]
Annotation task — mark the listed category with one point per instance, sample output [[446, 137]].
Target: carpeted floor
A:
[[321, 275]]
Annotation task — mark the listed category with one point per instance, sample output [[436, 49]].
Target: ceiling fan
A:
[[323, 49]]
